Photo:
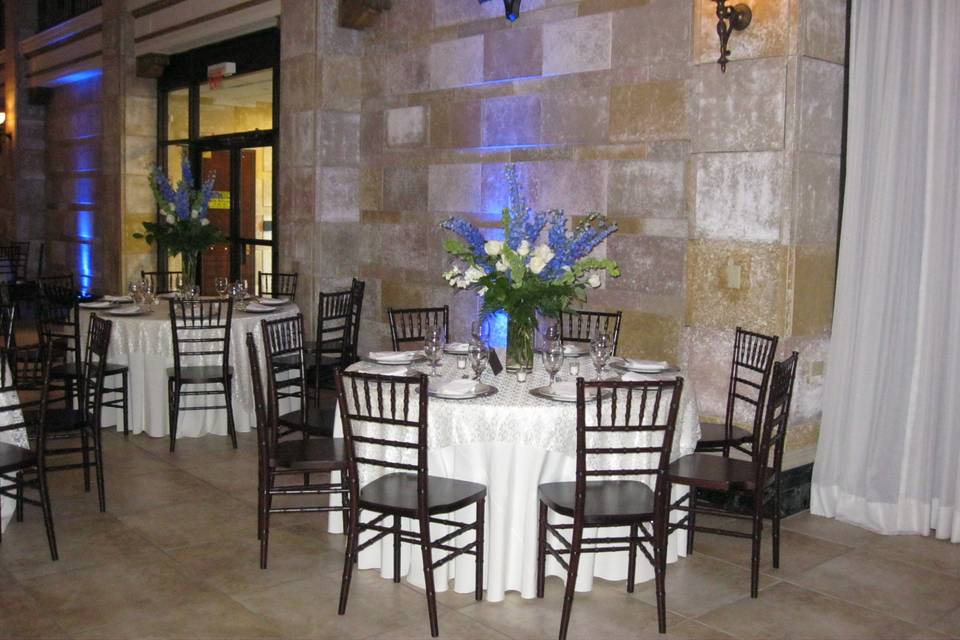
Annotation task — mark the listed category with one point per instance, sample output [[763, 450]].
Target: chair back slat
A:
[[285, 370], [161, 281], [266, 424], [625, 429], [201, 329], [753, 358], [58, 317], [357, 288], [583, 326], [13, 262], [384, 418], [277, 284], [774, 432], [410, 325], [94, 368]]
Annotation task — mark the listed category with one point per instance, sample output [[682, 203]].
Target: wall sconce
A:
[[510, 7], [5, 136], [729, 19]]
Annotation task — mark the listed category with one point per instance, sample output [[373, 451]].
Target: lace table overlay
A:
[[16, 437]]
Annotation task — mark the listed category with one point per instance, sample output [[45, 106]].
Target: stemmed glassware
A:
[[178, 284], [433, 347], [478, 355], [553, 359], [133, 287], [601, 348], [147, 297], [222, 286], [239, 293]]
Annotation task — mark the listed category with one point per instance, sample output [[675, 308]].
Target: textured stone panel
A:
[[648, 335], [338, 138], [455, 124], [821, 106], [408, 71], [454, 187], [338, 194], [405, 188], [298, 22], [340, 84], [297, 83], [297, 189], [446, 13], [407, 126], [768, 34], [511, 120], [648, 265], [813, 282], [705, 356], [577, 187], [649, 111], [655, 33], [456, 63], [650, 188], [818, 198], [513, 53], [372, 132], [340, 248], [574, 118], [371, 188], [743, 109], [739, 196], [580, 44], [759, 302], [822, 29], [297, 138]]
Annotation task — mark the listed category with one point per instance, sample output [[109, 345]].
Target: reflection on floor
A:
[[176, 557]]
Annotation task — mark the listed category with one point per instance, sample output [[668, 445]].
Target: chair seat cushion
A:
[[60, 420], [71, 369], [606, 502], [712, 436], [707, 471], [310, 454], [13, 458], [319, 420], [199, 373], [397, 493]]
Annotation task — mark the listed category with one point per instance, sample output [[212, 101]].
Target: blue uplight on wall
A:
[[495, 328], [85, 233], [78, 76]]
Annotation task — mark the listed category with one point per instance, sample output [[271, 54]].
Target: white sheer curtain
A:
[[889, 451]]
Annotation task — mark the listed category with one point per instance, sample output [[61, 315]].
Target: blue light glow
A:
[[495, 328], [78, 76], [83, 191], [85, 267]]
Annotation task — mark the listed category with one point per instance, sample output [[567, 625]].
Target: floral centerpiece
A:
[[184, 227], [524, 274]]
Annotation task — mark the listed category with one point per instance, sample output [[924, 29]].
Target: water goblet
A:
[[601, 348], [478, 355], [222, 285], [553, 360], [179, 286], [133, 287], [433, 349], [476, 330]]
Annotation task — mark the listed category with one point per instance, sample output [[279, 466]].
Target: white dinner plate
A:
[[416, 357], [482, 391], [274, 302], [128, 311], [253, 307], [623, 365], [99, 304], [457, 348], [547, 393]]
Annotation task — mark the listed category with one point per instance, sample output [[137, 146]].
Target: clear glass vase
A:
[[520, 345], [189, 262]]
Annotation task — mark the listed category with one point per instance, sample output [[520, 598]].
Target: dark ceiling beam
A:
[[360, 14]]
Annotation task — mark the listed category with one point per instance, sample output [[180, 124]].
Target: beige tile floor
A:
[[175, 556]]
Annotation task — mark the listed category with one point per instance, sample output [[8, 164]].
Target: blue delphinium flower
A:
[[163, 185], [469, 233], [206, 194], [186, 171], [181, 201]]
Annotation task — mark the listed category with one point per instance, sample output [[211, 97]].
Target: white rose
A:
[[537, 264], [195, 213], [204, 222], [524, 249], [594, 280], [452, 275], [472, 274], [493, 247], [171, 218], [502, 266], [544, 252]]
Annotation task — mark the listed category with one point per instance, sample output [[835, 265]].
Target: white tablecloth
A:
[[145, 344], [14, 436], [512, 442]]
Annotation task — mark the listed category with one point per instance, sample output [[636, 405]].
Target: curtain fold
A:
[[889, 450]]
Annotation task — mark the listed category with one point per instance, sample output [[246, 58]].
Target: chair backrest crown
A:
[[410, 325], [277, 284], [774, 432], [201, 329], [582, 326], [753, 358], [161, 281]]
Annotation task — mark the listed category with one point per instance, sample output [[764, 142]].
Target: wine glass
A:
[[553, 360], [146, 292], [179, 285], [551, 335], [478, 355], [133, 287], [601, 348], [476, 330], [222, 285], [191, 292]]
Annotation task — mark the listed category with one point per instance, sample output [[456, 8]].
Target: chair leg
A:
[[18, 512], [349, 557], [541, 549], [228, 395], [85, 453], [632, 559], [481, 509], [575, 545], [345, 488], [173, 395], [126, 411], [775, 528], [47, 513], [755, 547], [267, 503], [426, 550], [660, 570], [691, 519], [396, 549], [98, 459], [261, 485]]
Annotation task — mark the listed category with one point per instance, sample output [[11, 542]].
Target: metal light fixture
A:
[[510, 7], [729, 19]]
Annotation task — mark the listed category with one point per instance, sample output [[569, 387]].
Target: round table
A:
[[144, 343], [16, 437], [512, 442]]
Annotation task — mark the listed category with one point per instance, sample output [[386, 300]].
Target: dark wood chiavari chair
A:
[[720, 473], [277, 284], [357, 288], [58, 319], [161, 281], [25, 468], [636, 418], [289, 458], [583, 326], [334, 342], [753, 357], [409, 326], [373, 409], [14, 259], [201, 332]]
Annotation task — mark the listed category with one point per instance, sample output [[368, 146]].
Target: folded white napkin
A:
[[566, 389], [573, 350], [638, 377], [273, 301], [132, 310], [118, 298], [650, 366], [254, 306], [458, 387], [458, 347], [99, 304], [379, 369], [393, 356]]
